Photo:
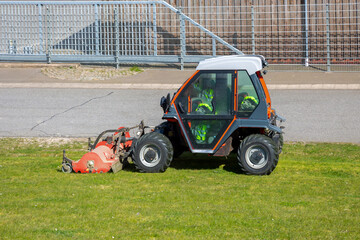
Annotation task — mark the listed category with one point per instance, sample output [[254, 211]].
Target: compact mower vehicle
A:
[[223, 107]]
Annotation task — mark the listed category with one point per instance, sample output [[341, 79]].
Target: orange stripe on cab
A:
[[267, 95], [182, 87], [224, 133]]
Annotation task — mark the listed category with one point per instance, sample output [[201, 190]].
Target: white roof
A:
[[250, 63]]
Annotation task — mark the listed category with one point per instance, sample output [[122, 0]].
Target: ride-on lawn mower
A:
[[224, 106]]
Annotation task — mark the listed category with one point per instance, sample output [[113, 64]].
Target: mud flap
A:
[[225, 149]]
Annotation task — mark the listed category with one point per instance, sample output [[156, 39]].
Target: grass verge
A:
[[314, 193], [88, 73]]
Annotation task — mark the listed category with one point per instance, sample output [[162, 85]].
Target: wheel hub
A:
[[150, 155], [256, 157]]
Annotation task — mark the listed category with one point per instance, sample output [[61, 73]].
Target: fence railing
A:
[[292, 37], [306, 37], [122, 31]]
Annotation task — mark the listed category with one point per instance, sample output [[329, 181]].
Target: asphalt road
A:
[[312, 115]]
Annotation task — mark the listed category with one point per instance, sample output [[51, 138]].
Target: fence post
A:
[[116, 15], [155, 29], [48, 32], [41, 49], [96, 29], [306, 35], [182, 39], [328, 67], [253, 29], [214, 47]]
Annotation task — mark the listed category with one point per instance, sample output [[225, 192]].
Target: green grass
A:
[[136, 69], [314, 193]]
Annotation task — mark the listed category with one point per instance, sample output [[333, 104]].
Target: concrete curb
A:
[[91, 85], [314, 86], [173, 86]]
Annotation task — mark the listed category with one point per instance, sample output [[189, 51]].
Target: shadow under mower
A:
[[223, 107]]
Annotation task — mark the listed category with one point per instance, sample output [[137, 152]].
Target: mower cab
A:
[[224, 106]]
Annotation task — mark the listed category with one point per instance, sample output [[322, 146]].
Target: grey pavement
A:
[[318, 106], [15, 75], [311, 115]]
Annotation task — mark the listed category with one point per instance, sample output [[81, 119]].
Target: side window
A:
[[202, 98], [248, 99], [208, 94]]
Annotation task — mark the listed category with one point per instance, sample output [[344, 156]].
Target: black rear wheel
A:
[[257, 155], [152, 153], [279, 141]]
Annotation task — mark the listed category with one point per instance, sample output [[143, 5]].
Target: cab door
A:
[[206, 108]]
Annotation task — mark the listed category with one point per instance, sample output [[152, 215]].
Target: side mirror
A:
[[165, 103]]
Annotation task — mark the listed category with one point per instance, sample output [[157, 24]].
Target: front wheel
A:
[[257, 155], [152, 153]]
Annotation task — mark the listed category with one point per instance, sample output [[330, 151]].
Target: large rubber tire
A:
[[175, 137], [257, 155], [279, 141], [152, 153]]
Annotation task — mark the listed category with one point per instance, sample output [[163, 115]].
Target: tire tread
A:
[[162, 140], [273, 153]]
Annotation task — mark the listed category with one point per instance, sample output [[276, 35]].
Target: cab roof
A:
[[250, 63]]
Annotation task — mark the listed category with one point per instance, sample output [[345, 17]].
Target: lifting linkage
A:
[[105, 154]]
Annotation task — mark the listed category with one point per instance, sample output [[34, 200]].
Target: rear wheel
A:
[[279, 141], [153, 153], [257, 155]]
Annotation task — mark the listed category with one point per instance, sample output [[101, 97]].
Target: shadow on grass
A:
[[203, 161], [188, 161]]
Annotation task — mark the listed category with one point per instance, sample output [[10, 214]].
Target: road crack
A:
[[69, 109]]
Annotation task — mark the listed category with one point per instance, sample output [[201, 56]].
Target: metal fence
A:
[[292, 37]]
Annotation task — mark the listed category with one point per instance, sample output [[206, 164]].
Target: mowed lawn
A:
[[314, 193]]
